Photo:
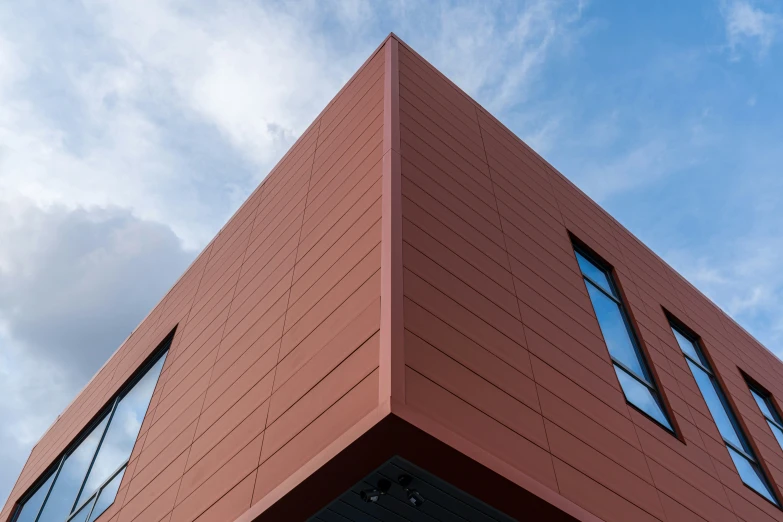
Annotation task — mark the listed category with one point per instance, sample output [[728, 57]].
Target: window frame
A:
[[650, 381], [767, 397], [97, 493], [77, 505], [105, 413], [731, 411]]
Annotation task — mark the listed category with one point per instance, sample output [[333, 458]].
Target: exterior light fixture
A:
[[373, 495], [414, 497]]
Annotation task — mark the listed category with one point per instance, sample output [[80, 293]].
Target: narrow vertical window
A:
[[86, 479], [770, 412], [629, 362], [730, 430]]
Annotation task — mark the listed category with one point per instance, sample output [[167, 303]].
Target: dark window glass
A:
[[629, 364], [594, 273], [83, 513], [33, 505], [736, 442], [71, 476], [762, 402], [641, 396], [778, 433], [751, 475], [770, 414], [687, 347], [92, 470], [615, 331], [720, 414], [123, 430], [107, 495]]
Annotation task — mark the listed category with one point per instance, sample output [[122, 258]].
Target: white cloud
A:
[[493, 51], [643, 165], [742, 275], [249, 69], [120, 156], [749, 26], [130, 130], [247, 79], [69, 293]]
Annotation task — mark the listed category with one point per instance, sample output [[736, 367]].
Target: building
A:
[[415, 317]]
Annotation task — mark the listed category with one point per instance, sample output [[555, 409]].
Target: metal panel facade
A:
[[409, 262], [277, 343], [502, 347]]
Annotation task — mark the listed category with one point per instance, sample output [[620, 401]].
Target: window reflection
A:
[[763, 406], [107, 495], [777, 432], [751, 475], [770, 414], [687, 346], [123, 430], [33, 505], [615, 331], [629, 363], [83, 513], [69, 481], [641, 396], [598, 276], [715, 405], [745, 461], [93, 470]]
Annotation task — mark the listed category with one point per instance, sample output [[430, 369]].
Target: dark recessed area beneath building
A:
[[400, 491]]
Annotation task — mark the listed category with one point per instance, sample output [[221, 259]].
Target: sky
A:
[[131, 130]]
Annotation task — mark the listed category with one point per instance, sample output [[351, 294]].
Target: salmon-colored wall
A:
[[277, 346], [502, 347], [410, 257]]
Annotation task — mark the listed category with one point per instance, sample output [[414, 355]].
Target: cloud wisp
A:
[[750, 27]]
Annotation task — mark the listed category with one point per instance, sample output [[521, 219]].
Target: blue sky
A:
[[130, 131]]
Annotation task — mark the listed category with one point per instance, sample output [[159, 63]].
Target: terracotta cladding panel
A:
[[342, 216], [232, 504], [279, 350], [247, 327], [347, 97], [451, 195], [503, 318], [423, 327], [473, 424], [414, 196], [348, 146], [350, 182], [319, 398], [419, 243], [463, 320], [413, 66], [359, 122], [597, 498], [323, 364], [599, 436], [505, 156], [486, 251], [352, 322], [327, 427], [522, 417], [604, 470]]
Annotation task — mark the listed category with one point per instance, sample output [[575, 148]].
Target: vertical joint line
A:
[[508, 258], [288, 302], [222, 335]]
